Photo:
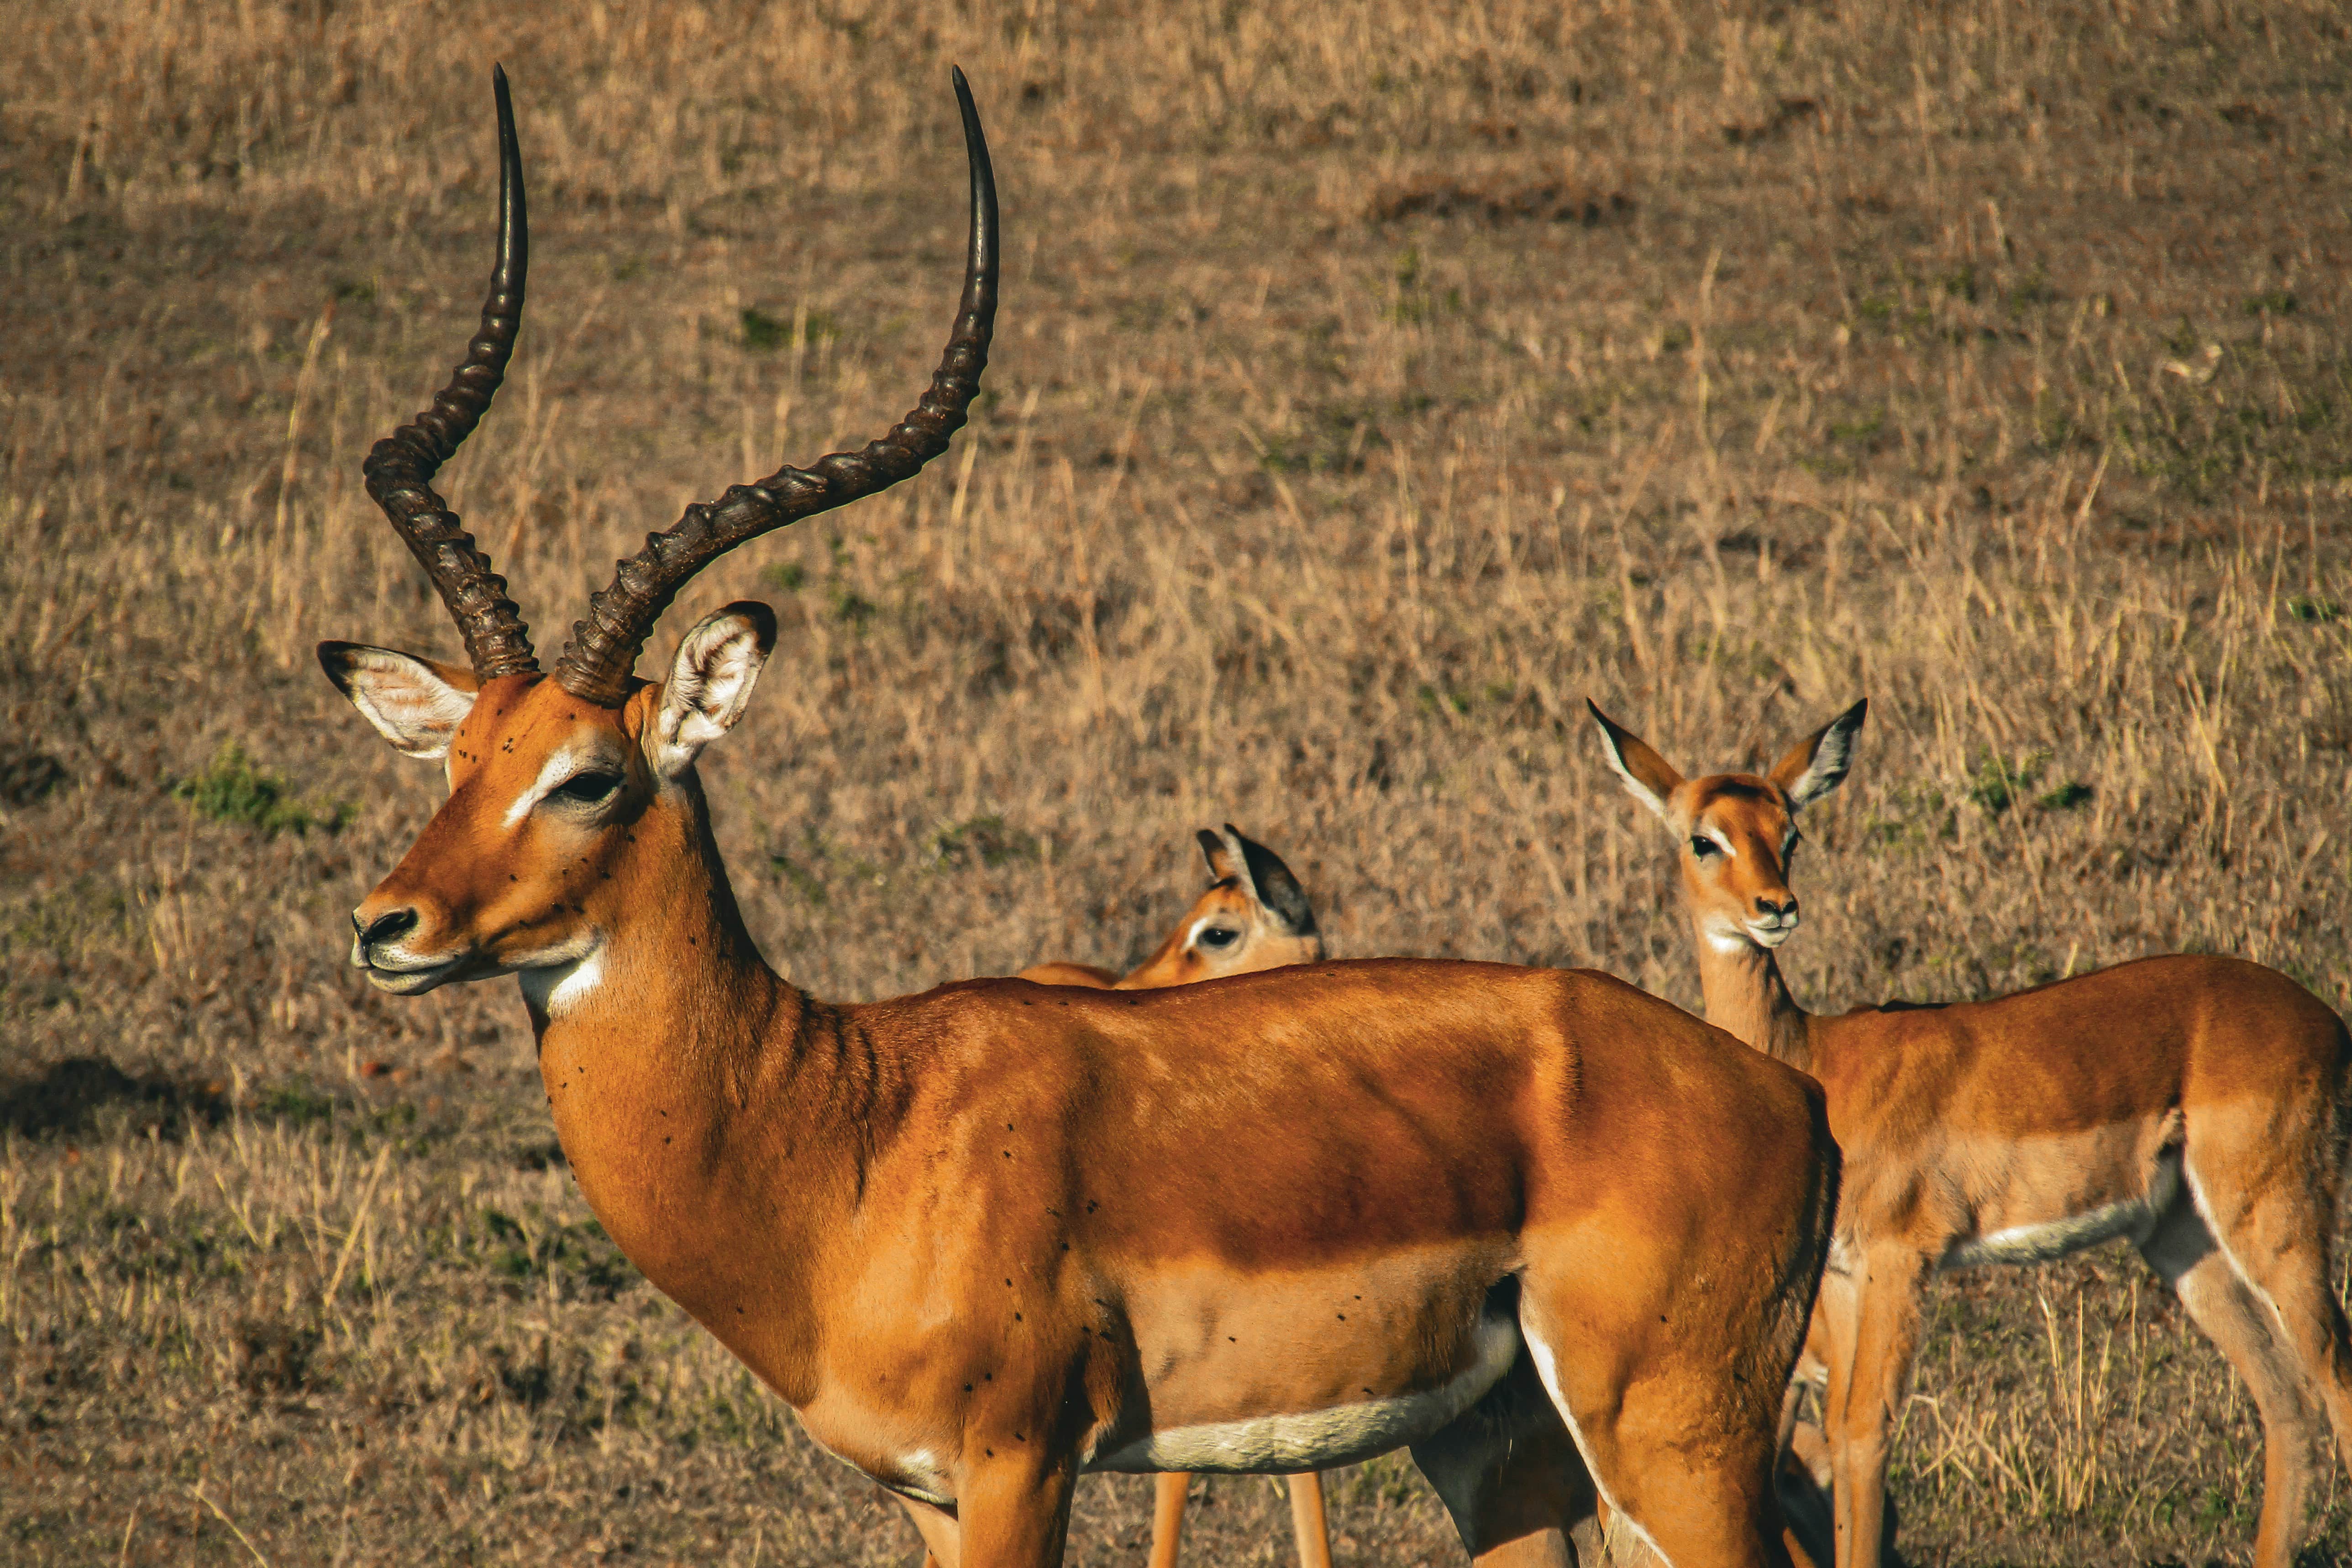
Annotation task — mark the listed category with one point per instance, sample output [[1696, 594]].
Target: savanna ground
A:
[[1374, 382]]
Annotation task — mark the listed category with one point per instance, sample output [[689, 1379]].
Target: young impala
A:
[[2194, 1104], [988, 1237], [1253, 916]]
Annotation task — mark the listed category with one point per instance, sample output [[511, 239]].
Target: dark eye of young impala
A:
[[586, 788], [1219, 936], [1702, 847]]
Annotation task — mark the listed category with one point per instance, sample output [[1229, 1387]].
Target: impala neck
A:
[[673, 1056], [1747, 997]]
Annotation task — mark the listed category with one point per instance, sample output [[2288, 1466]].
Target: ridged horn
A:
[[399, 469], [604, 647]]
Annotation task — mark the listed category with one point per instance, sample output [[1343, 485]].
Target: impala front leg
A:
[[936, 1526], [1012, 1508], [1306, 1521], [1874, 1331]]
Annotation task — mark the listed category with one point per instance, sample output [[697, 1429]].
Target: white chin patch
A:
[[1770, 938]]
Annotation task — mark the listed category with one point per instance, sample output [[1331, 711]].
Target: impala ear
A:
[[1272, 884], [1644, 773], [416, 704], [710, 683], [1225, 858], [1817, 764]]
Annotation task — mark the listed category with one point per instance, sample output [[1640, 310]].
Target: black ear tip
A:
[[1212, 846], [1275, 885], [762, 619], [335, 659]]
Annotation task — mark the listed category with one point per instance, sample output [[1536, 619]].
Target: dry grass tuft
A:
[[1986, 359]]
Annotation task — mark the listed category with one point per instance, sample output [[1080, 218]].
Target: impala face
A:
[[561, 813], [567, 792], [1737, 831], [1255, 916]]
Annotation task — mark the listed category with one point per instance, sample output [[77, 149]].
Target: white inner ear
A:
[[1237, 867], [709, 684], [410, 704], [1827, 770], [1634, 787]]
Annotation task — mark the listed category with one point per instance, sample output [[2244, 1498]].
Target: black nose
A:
[[1766, 906], [387, 928]]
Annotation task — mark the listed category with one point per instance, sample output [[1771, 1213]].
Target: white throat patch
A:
[[558, 988]]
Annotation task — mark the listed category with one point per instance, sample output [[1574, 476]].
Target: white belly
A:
[[2134, 1217], [1320, 1439]]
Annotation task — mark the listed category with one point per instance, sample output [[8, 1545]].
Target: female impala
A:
[[987, 1238], [1255, 916], [2195, 1105]]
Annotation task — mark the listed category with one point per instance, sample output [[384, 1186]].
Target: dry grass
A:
[[1375, 383]]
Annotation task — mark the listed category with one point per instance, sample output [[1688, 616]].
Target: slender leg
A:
[[1306, 1521], [2264, 1179], [1686, 1478], [1866, 1386], [1168, 1490], [2182, 1250]]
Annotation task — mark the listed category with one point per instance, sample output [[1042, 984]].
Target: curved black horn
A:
[[604, 648], [399, 470]]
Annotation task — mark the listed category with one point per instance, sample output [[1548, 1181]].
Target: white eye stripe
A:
[[1206, 923], [551, 776]]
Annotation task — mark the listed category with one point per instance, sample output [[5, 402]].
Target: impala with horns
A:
[[2195, 1105], [1253, 916], [987, 1238]]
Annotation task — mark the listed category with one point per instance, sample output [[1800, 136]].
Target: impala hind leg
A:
[[2252, 1270], [2218, 1302], [1677, 1471]]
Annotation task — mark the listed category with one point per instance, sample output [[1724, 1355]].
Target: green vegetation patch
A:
[[232, 788]]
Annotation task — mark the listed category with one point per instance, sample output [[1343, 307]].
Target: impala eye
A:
[[587, 789], [1702, 847], [1218, 936]]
